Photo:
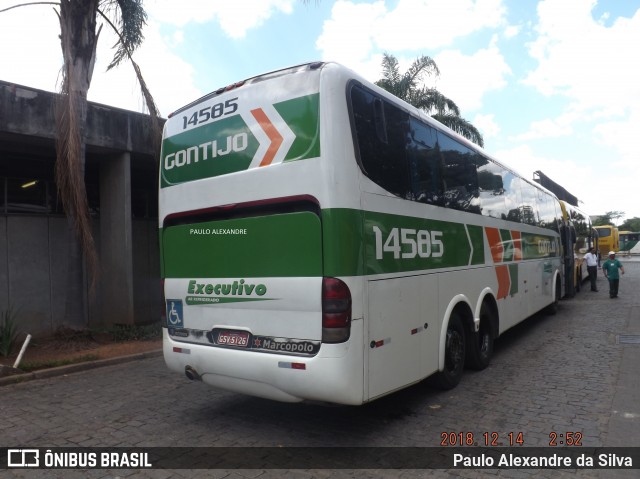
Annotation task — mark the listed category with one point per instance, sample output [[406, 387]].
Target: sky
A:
[[552, 85]]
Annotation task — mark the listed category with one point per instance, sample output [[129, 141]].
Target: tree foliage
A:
[[409, 86], [631, 224], [609, 218]]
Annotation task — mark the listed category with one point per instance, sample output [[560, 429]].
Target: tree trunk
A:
[[78, 41]]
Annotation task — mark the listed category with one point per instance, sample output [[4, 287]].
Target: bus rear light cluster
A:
[[336, 311]]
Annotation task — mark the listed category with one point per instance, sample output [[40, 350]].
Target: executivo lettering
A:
[[237, 288]]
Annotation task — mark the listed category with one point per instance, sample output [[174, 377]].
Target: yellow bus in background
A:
[[608, 239], [584, 236]]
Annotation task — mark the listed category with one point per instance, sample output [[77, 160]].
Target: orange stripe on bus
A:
[[504, 281], [495, 243], [273, 134]]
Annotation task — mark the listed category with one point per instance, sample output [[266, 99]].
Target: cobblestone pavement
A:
[[574, 371]]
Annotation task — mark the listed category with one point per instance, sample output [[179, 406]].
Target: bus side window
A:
[[424, 163], [547, 214], [380, 132], [528, 206], [512, 197], [379, 118], [492, 189], [459, 175]]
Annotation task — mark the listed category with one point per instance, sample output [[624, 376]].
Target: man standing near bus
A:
[[592, 267], [610, 269]]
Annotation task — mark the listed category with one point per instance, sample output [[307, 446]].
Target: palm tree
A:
[[79, 33], [407, 86]]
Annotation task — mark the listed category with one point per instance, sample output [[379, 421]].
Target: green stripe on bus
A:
[[199, 300], [536, 246], [214, 149], [285, 245], [343, 242], [228, 145], [303, 117], [477, 240], [507, 252], [404, 244]]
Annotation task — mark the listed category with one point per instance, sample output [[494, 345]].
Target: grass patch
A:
[[55, 363], [8, 331], [116, 333], [135, 332]]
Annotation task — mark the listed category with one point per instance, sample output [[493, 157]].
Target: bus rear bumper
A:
[[331, 376]]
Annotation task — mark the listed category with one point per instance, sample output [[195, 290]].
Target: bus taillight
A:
[[336, 311]]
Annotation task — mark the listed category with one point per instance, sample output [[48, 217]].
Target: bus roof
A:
[[218, 91]]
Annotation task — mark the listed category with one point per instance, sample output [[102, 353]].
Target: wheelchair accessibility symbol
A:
[[174, 313]]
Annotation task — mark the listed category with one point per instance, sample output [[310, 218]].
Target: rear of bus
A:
[[608, 239], [250, 195]]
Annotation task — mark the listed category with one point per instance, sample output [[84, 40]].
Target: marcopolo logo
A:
[[239, 290]]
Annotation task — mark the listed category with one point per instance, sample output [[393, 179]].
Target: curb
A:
[[74, 368]]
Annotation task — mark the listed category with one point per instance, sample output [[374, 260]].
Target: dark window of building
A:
[[93, 198], [144, 204], [26, 195]]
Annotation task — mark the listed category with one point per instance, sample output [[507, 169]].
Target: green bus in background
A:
[[629, 242]]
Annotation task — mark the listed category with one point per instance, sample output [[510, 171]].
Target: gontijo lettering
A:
[[204, 151], [237, 288]]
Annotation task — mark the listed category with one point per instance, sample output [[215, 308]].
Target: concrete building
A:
[[121, 179]]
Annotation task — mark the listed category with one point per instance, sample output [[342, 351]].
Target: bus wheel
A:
[[480, 344], [454, 355], [553, 307]]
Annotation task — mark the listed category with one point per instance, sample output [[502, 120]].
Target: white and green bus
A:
[[323, 240]]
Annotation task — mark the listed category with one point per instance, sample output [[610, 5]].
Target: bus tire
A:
[[480, 344], [552, 309], [454, 355]]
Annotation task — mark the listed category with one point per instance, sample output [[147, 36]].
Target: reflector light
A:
[[287, 365]]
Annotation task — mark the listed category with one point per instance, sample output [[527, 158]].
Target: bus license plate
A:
[[233, 338]]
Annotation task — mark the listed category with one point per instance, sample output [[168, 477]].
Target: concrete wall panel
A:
[[4, 262], [28, 269], [146, 272]]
